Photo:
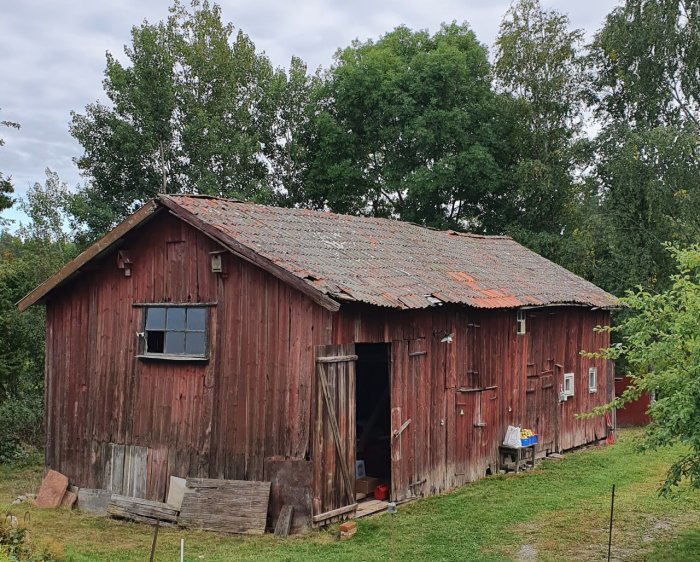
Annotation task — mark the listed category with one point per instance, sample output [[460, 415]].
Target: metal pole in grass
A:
[[391, 510], [182, 550], [612, 508], [155, 538]]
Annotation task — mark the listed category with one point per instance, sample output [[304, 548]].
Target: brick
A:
[[347, 530], [69, 499], [52, 489], [348, 526]]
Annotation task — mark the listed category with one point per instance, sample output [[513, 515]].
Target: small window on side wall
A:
[[568, 384], [175, 331], [592, 379], [520, 322]]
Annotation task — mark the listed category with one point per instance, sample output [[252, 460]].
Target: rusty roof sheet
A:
[[392, 263]]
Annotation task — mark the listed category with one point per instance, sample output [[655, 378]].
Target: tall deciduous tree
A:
[[27, 258], [6, 188], [538, 62], [406, 127], [646, 93], [646, 59], [189, 113]]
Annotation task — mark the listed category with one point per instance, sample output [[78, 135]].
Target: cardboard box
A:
[[366, 485]]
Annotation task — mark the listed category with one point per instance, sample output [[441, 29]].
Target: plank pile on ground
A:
[[225, 506], [143, 511]]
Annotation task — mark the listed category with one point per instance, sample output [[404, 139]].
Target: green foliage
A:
[[538, 62], [27, 258], [22, 427], [406, 127], [661, 345], [13, 541], [645, 90], [189, 114], [15, 546], [6, 188], [645, 61], [650, 195]]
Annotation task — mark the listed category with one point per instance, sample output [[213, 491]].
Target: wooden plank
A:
[[284, 522], [335, 513], [370, 507], [226, 506], [336, 359], [137, 509]]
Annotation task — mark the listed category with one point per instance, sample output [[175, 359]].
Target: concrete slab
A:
[[176, 491], [93, 501]]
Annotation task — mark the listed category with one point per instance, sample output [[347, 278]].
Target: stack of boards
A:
[[224, 506]]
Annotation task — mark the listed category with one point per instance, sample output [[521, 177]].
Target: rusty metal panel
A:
[[391, 263]]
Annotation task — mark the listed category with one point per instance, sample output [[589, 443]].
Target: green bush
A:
[[15, 546], [21, 426]]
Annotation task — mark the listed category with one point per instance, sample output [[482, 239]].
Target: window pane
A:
[[175, 342], [195, 343], [196, 319], [155, 318], [155, 341], [176, 318]]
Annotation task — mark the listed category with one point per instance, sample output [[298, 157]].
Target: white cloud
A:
[[53, 53]]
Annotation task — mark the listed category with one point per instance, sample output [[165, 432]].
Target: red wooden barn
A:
[[208, 337]]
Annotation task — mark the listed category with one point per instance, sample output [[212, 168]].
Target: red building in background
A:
[[634, 413]]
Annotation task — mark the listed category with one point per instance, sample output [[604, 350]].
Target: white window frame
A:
[[592, 377], [568, 389], [520, 322]]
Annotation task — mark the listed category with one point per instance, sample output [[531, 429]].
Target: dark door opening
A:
[[373, 416]]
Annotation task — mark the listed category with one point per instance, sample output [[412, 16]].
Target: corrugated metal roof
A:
[[395, 264]]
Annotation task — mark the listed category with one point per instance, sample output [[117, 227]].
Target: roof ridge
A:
[[333, 213]]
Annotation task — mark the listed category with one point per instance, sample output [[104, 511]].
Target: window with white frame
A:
[[568, 384], [592, 379], [520, 322], [176, 331]]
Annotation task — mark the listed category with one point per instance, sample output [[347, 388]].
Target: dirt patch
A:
[[526, 553]]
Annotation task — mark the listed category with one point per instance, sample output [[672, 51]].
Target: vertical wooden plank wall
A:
[[218, 419], [253, 398], [461, 404]]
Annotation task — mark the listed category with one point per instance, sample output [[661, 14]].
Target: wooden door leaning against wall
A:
[[333, 448]]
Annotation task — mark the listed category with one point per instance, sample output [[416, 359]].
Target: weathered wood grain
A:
[[144, 511], [257, 396], [284, 522], [225, 506]]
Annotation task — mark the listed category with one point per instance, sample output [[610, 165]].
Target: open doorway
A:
[[373, 418]]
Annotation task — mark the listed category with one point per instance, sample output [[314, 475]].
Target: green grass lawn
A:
[[559, 511]]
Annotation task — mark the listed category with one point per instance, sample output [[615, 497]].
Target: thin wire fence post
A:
[[612, 509]]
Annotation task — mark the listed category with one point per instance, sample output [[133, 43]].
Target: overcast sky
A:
[[52, 54]]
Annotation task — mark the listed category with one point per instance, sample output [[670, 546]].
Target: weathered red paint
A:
[[255, 397], [633, 413]]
